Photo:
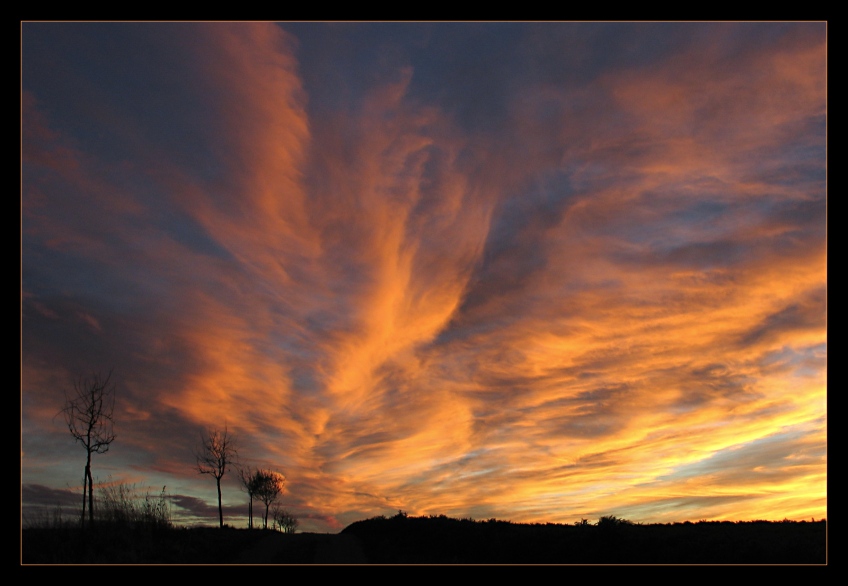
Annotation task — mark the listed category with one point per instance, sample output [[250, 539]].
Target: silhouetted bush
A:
[[612, 521], [53, 519], [123, 504]]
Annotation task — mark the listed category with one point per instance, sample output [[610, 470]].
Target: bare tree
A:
[[247, 478], [269, 485], [88, 412], [216, 453], [287, 522]]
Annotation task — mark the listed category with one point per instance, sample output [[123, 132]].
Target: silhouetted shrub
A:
[[122, 504], [56, 518], [612, 521]]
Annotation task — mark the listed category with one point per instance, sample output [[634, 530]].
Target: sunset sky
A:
[[537, 272]]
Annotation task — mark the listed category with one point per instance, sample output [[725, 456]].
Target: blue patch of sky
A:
[[760, 452], [117, 88], [59, 273], [470, 70], [803, 361], [192, 235]]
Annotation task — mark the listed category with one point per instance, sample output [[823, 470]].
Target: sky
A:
[[538, 272]]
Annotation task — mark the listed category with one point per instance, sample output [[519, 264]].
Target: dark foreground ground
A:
[[440, 540], [404, 539], [186, 546]]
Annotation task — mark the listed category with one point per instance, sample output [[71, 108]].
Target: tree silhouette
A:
[[287, 522], [216, 453], [88, 413], [247, 478], [268, 486]]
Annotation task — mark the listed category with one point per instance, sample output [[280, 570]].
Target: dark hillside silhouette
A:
[[439, 540]]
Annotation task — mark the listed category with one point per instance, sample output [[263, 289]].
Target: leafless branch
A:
[[89, 414], [216, 453]]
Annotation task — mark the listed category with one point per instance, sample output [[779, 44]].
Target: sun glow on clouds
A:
[[612, 300]]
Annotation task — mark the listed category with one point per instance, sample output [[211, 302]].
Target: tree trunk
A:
[[250, 513], [84, 487], [220, 509], [90, 494]]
